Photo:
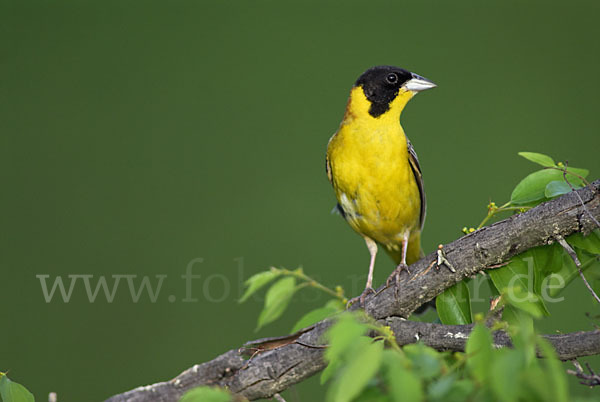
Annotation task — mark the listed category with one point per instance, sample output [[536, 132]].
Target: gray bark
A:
[[288, 360]]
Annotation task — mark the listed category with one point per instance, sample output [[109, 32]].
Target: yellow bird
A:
[[374, 169]]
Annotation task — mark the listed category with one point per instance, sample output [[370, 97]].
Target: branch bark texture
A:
[[274, 370]]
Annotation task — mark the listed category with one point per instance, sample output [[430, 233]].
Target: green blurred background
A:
[[138, 136]]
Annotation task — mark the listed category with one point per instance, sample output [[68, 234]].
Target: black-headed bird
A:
[[375, 171]]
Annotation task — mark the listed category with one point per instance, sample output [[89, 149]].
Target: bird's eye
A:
[[392, 78]]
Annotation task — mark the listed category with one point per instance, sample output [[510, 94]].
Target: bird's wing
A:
[[328, 169], [416, 168]]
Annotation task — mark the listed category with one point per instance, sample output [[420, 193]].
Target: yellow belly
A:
[[373, 181]]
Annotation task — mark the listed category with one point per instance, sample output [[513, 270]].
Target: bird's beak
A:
[[418, 83]]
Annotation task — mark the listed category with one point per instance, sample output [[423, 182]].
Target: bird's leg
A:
[[372, 246], [395, 275]]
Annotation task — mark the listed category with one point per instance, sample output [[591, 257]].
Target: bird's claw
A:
[[360, 298], [395, 276]]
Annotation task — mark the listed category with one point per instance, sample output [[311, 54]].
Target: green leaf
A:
[[316, 315], [403, 384], [372, 393], [438, 389], [449, 389], [479, 352], [363, 364], [460, 391], [525, 301], [590, 243], [556, 188], [545, 260], [595, 284], [277, 299], [540, 159], [493, 290], [340, 337], [11, 391], [257, 281], [536, 385], [559, 280], [206, 394], [425, 361], [517, 318], [519, 274], [504, 375], [454, 305], [576, 172], [554, 371], [533, 187]]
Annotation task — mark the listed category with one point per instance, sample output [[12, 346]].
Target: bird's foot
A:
[[395, 277], [360, 298]]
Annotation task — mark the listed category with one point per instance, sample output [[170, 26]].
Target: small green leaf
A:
[[425, 361], [556, 188], [316, 315], [493, 290], [257, 281], [518, 280], [533, 187], [206, 394], [545, 260], [276, 301], [554, 371], [595, 284], [525, 301], [479, 352], [454, 305], [460, 391], [517, 318], [372, 394], [576, 172], [536, 385], [504, 375], [540, 159], [11, 391], [404, 385], [363, 364], [439, 389], [341, 336], [590, 243], [559, 280]]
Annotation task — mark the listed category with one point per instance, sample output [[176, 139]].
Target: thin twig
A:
[[591, 380], [571, 173], [278, 397], [561, 240], [578, 196]]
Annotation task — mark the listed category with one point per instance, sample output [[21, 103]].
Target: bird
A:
[[375, 171]]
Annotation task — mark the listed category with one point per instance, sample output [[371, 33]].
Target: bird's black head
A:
[[381, 85]]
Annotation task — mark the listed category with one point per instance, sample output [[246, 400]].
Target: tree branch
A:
[[454, 337], [591, 380], [488, 247], [288, 360]]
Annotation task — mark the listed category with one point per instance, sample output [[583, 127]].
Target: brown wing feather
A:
[[416, 168], [328, 169]]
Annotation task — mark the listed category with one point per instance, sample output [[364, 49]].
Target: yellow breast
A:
[[370, 171]]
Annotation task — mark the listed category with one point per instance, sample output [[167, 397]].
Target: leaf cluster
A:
[[536, 277]]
